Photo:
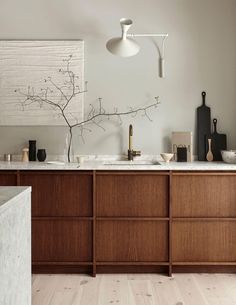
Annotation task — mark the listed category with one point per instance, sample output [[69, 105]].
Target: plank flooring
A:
[[138, 289]]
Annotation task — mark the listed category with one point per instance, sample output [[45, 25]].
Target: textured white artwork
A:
[[25, 64]]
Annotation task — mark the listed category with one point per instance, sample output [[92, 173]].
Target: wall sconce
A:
[[126, 46]]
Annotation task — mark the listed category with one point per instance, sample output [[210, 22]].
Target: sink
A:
[[132, 163]]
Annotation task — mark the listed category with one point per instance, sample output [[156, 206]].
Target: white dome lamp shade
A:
[[123, 46]]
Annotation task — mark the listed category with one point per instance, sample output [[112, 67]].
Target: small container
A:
[[41, 155], [181, 154], [32, 150], [8, 157]]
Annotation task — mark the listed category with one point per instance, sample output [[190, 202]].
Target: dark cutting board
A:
[[219, 142], [203, 128]]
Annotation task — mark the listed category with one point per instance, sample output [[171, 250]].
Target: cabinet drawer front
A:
[[61, 240], [204, 241], [60, 194], [132, 241], [204, 196], [8, 179], [136, 195]]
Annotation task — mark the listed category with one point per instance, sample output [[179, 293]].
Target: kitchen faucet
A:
[[132, 153]]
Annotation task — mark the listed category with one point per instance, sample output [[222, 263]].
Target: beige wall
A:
[[200, 55]]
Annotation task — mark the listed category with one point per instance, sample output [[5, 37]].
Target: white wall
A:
[[200, 55]]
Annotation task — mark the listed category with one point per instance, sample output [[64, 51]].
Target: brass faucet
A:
[[132, 153]]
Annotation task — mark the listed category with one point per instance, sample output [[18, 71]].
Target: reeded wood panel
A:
[[132, 241], [204, 241], [62, 240], [132, 195], [56, 194], [8, 178], [204, 196]]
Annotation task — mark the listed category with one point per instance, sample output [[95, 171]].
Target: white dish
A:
[[55, 162], [229, 156]]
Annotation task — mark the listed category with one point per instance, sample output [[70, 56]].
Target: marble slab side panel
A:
[[15, 253]]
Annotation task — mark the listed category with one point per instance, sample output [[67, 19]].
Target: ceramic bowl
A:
[[229, 156], [167, 157]]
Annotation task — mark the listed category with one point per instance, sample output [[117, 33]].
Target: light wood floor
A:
[[149, 289]]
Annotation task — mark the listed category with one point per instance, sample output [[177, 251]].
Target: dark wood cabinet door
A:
[[204, 241], [8, 178], [204, 195], [127, 195], [131, 241], [56, 240], [60, 194]]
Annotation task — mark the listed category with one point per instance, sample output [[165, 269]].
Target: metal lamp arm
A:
[[147, 35], [162, 51]]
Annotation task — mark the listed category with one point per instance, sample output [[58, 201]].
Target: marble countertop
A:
[[125, 165], [8, 194]]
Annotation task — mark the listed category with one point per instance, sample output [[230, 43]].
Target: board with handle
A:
[[203, 128], [219, 142]]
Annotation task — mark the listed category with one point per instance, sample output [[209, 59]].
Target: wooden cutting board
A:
[[203, 128], [219, 142]]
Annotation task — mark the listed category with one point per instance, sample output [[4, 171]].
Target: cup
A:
[[80, 159], [8, 157]]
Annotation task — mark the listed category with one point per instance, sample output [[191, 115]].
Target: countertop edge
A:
[[100, 166], [23, 190]]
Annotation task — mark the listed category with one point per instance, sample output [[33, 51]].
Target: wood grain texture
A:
[[60, 194], [130, 241], [8, 178], [134, 289], [131, 221], [28, 63], [204, 196], [204, 241], [128, 195], [61, 240]]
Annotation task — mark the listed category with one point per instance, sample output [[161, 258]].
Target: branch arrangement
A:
[[66, 93]]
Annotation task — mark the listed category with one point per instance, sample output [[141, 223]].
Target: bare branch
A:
[[116, 113], [96, 114]]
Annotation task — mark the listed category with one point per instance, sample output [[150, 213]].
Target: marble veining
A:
[[104, 165], [15, 246]]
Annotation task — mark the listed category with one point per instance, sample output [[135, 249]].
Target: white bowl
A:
[[167, 157], [229, 156]]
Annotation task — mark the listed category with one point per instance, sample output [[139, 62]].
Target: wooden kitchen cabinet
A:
[[204, 241], [132, 241], [8, 178], [60, 193], [61, 240], [204, 195], [204, 220], [132, 220], [62, 213], [124, 221], [132, 195]]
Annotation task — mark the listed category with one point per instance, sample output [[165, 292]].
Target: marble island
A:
[[15, 245]]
